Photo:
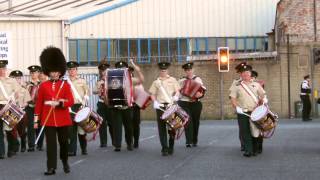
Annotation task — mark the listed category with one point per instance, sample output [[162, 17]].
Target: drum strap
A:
[[74, 90], [248, 90], [3, 91], [164, 92]]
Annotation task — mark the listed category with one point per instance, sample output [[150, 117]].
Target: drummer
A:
[[80, 91], [103, 109], [123, 115], [23, 99], [233, 85], [245, 96], [10, 87], [164, 91]]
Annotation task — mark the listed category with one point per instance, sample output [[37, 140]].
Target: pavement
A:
[[292, 153]]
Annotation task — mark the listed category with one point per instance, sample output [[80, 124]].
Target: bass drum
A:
[[120, 90]]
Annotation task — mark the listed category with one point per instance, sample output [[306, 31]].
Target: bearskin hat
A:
[[53, 60]]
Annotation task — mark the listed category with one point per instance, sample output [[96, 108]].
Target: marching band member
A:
[[52, 108], [80, 91], [245, 96], [233, 85], [22, 101], [162, 90], [191, 106], [136, 119], [123, 115], [305, 90], [102, 108], [33, 86], [8, 88], [259, 140]]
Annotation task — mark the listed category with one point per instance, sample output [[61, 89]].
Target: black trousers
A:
[[2, 145], [119, 117], [104, 111], [240, 132], [246, 133], [306, 109], [194, 110], [73, 134], [30, 130], [51, 138], [164, 132], [136, 124]]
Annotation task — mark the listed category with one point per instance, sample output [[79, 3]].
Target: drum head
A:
[[82, 114], [259, 112]]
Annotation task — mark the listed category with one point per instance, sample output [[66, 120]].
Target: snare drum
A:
[[120, 91], [88, 120], [262, 117], [11, 114], [141, 97], [175, 117]]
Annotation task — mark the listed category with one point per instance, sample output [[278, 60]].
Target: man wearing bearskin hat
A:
[[52, 108]]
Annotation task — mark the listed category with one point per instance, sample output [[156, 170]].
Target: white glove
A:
[[265, 100], [175, 98], [86, 98], [239, 110], [156, 105]]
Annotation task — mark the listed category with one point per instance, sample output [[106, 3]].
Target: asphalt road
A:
[[292, 153]]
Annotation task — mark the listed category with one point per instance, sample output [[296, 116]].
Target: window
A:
[[240, 45], [154, 50], [103, 50], [123, 49], [133, 45], [164, 50], [250, 44], [183, 49], [73, 50], [93, 52], [173, 49], [231, 44], [144, 50], [83, 51], [202, 46], [212, 45]]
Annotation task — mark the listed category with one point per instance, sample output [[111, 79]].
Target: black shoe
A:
[[164, 153], [129, 147], [72, 154], [23, 149], [254, 154], [49, 172], [1, 156], [84, 152], [103, 145], [242, 148], [39, 149], [10, 154], [136, 145], [247, 154], [259, 151], [188, 145], [117, 149], [170, 151], [66, 167], [31, 149], [194, 145]]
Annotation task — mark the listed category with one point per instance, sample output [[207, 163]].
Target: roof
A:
[[74, 10]]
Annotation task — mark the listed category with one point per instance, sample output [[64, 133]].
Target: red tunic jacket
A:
[[59, 116]]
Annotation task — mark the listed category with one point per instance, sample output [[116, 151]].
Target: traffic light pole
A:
[[221, 97]]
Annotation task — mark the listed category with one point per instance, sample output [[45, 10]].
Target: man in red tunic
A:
[[52, 108]]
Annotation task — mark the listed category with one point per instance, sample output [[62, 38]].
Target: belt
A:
[[49, 102], [3, 102], [101, 100], [303, 94]]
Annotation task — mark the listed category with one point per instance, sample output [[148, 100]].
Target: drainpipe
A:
[[289, 94], [315, 19]]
